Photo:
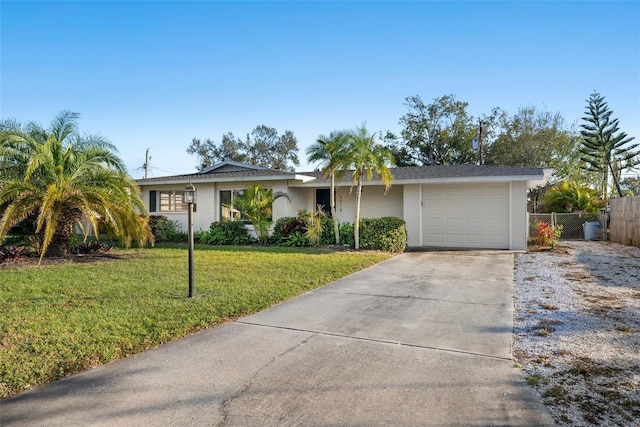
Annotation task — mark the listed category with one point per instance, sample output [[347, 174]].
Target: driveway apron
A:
[[420, 339]]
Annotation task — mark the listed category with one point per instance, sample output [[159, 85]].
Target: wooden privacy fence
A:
[[624, 225]]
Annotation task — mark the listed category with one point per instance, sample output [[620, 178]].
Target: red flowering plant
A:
[[547, 234]]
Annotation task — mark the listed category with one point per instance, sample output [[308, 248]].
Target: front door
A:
[[323, 197]]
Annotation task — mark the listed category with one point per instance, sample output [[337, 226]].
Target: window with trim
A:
[[229, 208], [171, 201]]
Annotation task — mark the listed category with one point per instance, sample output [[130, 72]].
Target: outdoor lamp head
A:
[[190, 193]]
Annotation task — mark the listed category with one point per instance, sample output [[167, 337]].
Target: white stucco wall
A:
[[180, 217], [518, 216], [206, 209], [374, 204], [412, 201], [301, 198], [208, 203], [345, 204], [377, 204]]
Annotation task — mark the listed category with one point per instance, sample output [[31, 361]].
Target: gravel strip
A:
[[577, 331]]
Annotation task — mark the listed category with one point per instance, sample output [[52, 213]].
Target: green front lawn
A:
[[60, 319]]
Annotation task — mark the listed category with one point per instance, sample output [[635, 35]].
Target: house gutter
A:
[[213, 179], [535, 180]]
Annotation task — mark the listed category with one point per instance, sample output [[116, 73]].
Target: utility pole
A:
[[480, 143], [146, 164]]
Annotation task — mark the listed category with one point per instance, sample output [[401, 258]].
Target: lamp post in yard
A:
[[190, 199]]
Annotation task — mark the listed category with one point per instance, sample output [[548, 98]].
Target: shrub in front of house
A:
[[285, 228], [11, 253], [292, 231], [21, 233], [327, 237], [383, 234], [346, 234], [91, 248], [297, 240], [225, 233], [165, 230]]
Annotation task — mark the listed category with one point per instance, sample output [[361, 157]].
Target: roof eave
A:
[[204, 178], [540, 181], [536, 179]]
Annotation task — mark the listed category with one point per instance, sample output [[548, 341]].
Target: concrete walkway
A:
[[421, 339]]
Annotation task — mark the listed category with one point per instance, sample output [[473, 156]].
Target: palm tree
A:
[[365, 157], [569, 196], [256, 205], [330, 152], [60, 178]]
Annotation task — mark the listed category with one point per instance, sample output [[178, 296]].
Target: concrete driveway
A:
[[421, 339]]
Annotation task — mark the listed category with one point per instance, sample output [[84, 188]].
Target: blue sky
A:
[[155, 74]]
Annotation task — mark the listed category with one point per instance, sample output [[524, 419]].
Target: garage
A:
[[470, 215]]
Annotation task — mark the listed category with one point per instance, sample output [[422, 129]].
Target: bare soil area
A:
[[577, 331], [34, 261]]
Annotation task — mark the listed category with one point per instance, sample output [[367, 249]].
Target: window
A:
[[229, 209], [171, 201]]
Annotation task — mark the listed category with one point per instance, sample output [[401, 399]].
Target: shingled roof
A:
[[401, 175], [420, 173], [228, 170], [222, 176]]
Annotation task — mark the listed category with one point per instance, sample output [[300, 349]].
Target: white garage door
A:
[[466, 215]]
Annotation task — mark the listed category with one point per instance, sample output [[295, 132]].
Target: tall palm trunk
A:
[[356, 224], [334, 214]]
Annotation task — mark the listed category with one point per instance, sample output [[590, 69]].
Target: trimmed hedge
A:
[[383, 234], [327, 237], [225, 233], [346, 234]]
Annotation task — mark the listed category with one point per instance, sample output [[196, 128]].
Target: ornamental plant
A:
[[569, 196], [256, 204], [313, 224], [547, 234], [60, 178]]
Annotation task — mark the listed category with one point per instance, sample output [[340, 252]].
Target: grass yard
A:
[[65, 318]]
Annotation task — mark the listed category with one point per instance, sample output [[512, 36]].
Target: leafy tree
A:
[[330, 152], [604, 147], [569, 196], [60, 178], [262, 147], [256, 203], [366, 158], [631, 185], [534, 138], [439, 133]]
